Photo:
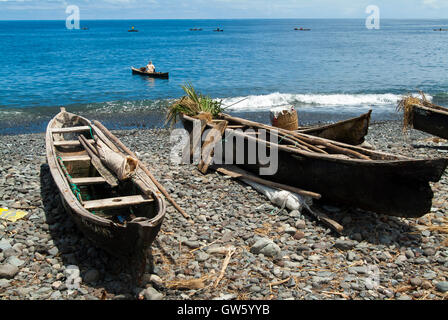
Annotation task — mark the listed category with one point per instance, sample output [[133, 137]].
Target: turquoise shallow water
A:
[[336, 70]]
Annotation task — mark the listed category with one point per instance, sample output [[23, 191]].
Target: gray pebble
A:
[[442, 286], [344, 244], [8, 271]]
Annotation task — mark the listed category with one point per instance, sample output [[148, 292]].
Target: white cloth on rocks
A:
[[122, 166], [282, 198]]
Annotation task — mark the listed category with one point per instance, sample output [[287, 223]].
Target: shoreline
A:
[[155, 119], [409, 256]]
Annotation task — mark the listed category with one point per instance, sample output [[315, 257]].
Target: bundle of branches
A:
[[407, 104], [192, 105]]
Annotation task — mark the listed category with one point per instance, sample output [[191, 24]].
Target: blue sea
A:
[[337, 70]]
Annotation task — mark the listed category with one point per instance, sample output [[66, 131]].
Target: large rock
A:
[[152, 294], [266, 247], [8, 271]]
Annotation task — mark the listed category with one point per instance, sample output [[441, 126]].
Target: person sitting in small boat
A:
[[150, 68]]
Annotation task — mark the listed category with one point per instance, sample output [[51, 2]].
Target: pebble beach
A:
[[240, 246]]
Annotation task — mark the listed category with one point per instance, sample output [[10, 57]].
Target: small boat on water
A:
[[218, 30], [141, 71], [341, 173], [425, 116], [195, 29], [351, 131], [108, 192], [440, 29], [302, 29], [132, 30]]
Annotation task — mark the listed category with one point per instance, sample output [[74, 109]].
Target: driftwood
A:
[[237, 173], [213, 137], [322, 217], [224, 265], [114, 139]]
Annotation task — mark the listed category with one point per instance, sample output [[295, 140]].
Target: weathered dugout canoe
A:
[[433, 120], [123, 219], [358, 177], [162, 75], [351, 131]]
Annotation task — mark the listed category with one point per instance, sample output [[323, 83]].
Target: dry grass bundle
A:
[[406, 105], [187, 284]]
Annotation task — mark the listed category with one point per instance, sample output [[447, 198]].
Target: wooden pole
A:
[[308, 139], [241, 174], [154, 180]]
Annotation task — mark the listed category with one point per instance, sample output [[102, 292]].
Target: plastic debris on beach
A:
[[12, 214]]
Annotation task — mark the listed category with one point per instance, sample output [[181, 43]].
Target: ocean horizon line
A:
[[229, 19]]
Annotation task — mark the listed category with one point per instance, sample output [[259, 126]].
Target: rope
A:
[[75, 189], [91, 133]]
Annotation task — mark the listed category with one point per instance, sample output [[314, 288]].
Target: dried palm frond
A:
[[192, 105]]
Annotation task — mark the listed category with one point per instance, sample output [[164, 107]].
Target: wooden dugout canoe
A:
[[122, 217], [430, 119], [162, 75], [351, 131], [341, 173]]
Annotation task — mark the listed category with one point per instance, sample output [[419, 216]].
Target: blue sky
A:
[[220, 9]]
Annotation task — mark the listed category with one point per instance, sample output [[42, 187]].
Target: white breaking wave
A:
[[265, 102]]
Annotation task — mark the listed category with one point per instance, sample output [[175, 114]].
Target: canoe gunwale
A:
[[443, 112]]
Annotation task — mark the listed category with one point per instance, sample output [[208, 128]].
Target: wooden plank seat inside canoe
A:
[[70, 143], [83, 157], [118, 202], [88, 181], [70, 129]]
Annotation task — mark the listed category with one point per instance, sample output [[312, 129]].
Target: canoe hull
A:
[[351, 131], [391, 187], [431, 121], [128, 241], [160, 75]]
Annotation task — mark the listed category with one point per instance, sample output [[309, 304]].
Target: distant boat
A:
[[440, 29], [141, 71], [195, 29], [85, 28], [218, 30], [302, 29], [133, 30]]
